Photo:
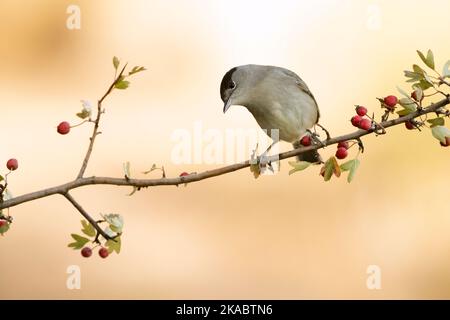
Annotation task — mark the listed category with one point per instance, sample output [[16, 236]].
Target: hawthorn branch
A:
[[86, 215], [144, 183], [95, 131]]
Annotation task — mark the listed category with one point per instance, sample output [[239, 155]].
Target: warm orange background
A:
[[232, 236]]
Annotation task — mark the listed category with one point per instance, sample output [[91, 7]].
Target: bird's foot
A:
[[324, 130], [264, 163], [315, 137]]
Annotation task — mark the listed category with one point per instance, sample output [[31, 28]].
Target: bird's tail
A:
[[310, 156]]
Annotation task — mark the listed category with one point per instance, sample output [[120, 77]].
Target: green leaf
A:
[[446, 70], [418, 70], [408, 103], [255, 169], [440, 133], [1, 178], [84, 114], [423, 84], [298, 166], [404, 112], [350, 166], [331, 166], [403, 92], [79, 243], [428, 60], [114, 245], [413, 75], [126, 169], [440, 121], [116, 62], [347, 165], [136, 70], [88, 229], [122, 84]]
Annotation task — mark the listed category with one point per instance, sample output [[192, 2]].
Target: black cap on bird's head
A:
[[227, 87]]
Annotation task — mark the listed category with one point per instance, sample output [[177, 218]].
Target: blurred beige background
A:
[[230, 237]]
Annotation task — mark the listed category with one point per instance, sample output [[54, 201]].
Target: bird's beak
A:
[[227, 105]]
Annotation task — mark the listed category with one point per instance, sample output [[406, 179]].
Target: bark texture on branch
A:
[[143, 183]]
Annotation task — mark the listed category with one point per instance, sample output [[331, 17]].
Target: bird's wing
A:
[[302, 85]]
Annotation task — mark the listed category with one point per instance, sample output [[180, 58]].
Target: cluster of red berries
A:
[[12, 164], [342, 150], [359, 119], [87, 252], [63, 128]]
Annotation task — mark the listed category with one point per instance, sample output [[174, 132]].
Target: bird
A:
[[277, 98]]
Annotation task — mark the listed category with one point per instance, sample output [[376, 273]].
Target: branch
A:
[[143, 183], [95, 132], [86, 215]]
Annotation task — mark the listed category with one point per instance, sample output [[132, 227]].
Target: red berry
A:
[[3, 223], [391, 101], [356, 120], [305, 141], [183, 174], [103, 252], [365, 124], [12, 164], [409, 125], [361, 111], [341, 153], [343, 144], [447, 142], [63, 128], [86, 252]]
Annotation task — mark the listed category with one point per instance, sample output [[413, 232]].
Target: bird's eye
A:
[[232, 85]]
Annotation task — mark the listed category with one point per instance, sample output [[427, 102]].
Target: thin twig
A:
[[86, 215], [143, 183], [96, 124]]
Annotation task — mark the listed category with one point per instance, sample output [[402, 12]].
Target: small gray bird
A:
[[277, 98]]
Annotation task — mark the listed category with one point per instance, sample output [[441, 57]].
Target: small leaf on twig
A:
[[86, 111], [79, 243], [114, 245], [255, 169], [404, 112], [116, 62], [136, 70], [122, 84], [350, 166], [330, 166], [88, 229], [298, 166], [428, 60], [408, 104], [440, 121]]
